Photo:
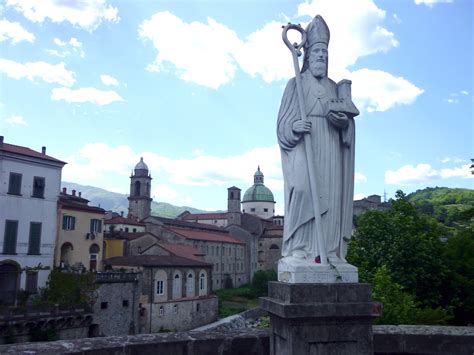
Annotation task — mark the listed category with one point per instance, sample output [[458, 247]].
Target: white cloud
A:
[[89, 94], [422, 173], [201, 53], [359, 178], [355, 32], [431, 3], [70, 47], [49, 73], [453, 160], [16, 121], [96, 161], [85, 14], [109, 80], [164, 192], [464, 92], [358, 31], [376, 90], [15, 32]]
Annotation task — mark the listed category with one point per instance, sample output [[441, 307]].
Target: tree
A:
[[407, 244]]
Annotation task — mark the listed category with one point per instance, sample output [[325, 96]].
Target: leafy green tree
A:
[[67, 289], [408, 244], [398, 306], [260, 281]]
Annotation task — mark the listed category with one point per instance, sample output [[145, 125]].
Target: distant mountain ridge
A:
[[118, 202]]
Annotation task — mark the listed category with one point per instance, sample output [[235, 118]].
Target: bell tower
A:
[[233, 206], [139, 201]]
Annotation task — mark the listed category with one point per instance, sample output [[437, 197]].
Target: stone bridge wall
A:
[[388, 340]]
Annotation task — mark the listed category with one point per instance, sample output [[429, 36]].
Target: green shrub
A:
[[260, 281]]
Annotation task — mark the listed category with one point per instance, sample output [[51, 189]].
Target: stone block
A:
[[331, 318], [294, 272]]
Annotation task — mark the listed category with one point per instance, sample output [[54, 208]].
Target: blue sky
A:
[[194, 87]]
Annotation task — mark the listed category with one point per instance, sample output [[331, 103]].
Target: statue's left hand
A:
[[338, 119]]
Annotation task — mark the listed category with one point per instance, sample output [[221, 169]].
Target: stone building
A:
[[116, 310], [224, 252], [80, 232], [139, 204], [176, 292], [29, 187]]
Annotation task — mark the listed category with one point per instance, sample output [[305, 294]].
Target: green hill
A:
[[448, 205], [118, 202]]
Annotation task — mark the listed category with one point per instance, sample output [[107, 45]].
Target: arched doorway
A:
[[66, 254], [94, 253]]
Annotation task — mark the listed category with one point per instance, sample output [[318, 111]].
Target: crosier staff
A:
[[295, 50]]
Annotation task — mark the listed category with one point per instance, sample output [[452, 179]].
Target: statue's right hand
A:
[[302, 126]]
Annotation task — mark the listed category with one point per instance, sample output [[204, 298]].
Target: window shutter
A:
[[64, 222], [14, 184], [73, 223], [92, 226], [9, 242], [35, 238], [99, 225]]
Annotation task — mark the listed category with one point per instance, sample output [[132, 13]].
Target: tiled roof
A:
[[126, 235], [200, 216], [66, 203], [17, 149], [124, 220], [184, 251], [210, 236], [180, 223], [153, 260]]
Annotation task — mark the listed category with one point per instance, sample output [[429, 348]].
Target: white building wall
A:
[[26, 209], [259, 207]]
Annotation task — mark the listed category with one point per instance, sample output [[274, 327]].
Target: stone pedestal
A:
[[295, 271], [320, 319]]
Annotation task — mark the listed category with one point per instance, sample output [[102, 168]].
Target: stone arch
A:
[[203, 282], [10, 272], [190, 283], [66, 253], [177, 284]]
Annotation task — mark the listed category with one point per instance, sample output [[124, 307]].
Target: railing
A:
[[107, 277]]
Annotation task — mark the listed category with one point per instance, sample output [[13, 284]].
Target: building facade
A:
[[29, 186], [176, 292], [80, 233]]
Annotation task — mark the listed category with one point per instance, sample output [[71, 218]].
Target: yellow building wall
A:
[[113, 247], [77, 237]]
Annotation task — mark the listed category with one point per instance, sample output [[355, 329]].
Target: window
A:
[[103, 305], [190, 285], [9, 239], [217, 267], [38, 187], [175, 309], [137, 188], [126, 229], [202, 281], [177, 293], [35, 238], [162, 311], [230, 251], [69, 223], [197, 307], [134, 230], [96, 226], [252, 210], [125, 303], [31, 285], [243, 210], [14, 184], [160, 290], [217, 251], [265, 210]]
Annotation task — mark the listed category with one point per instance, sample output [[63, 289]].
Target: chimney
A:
[[80, 193], [74, 192], [121, 213], [43, 150], [64, 190], [1, 141]]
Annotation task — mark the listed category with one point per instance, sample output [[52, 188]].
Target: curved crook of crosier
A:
[[294, 47]]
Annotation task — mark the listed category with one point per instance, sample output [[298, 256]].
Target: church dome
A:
[[141, 165], [258, 192]]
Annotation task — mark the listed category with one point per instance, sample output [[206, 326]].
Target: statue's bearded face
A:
[[318, 59]]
